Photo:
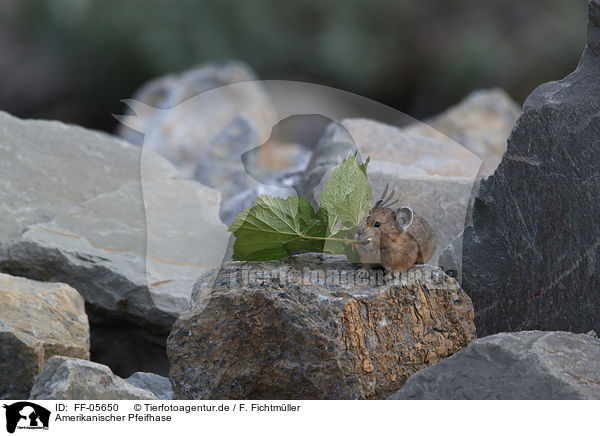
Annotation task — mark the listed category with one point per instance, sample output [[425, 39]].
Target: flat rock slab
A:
[[65, 378], [37, 321], [531, 365], [46, 167], [134, 259], [309, 328], [111, 220], [530, 259]]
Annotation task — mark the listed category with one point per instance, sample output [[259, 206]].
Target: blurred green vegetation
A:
[[74, 59]]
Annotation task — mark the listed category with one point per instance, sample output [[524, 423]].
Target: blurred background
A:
[[73, 60]]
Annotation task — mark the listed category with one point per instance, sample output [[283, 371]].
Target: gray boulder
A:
[[65, 378], [311, 327], [203, 120], [111, 220], [158, 385], [135, 262], [530, 257], [433, 176], [47, 167], [481, 123], [37, 321], [530, 365]]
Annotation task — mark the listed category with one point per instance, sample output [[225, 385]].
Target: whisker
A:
[[389, 197], [387, 185]]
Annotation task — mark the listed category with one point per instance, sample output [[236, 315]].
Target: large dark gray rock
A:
[[531, 365], [531, 257]]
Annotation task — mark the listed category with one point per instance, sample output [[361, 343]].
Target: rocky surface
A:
[[65, 378], [433, 176], [114, 222], [530, 259], [417, 154], [48, 167], [134, 266], [203, 120], [308, 328], [481, 123], [530, 365], [158, 385], [450, 260], [37, 321]]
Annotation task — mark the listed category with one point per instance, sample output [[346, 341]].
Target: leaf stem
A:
[[342, 240]]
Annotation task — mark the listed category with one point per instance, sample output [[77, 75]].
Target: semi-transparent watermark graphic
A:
[[249, 277], [281, 139]]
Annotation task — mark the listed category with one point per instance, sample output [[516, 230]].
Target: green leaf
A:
[[336, 240], [346, 197], [274, 228]]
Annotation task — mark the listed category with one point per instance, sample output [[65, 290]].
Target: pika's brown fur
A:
[[394, 239]]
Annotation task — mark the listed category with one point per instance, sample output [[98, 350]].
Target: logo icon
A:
[[26, 415]]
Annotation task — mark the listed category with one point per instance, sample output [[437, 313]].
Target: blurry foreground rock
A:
[[159, 386], [307, 328], [530, 259], [531, 365], [37, 321], [75, 211], [66, 378], [481, 122]]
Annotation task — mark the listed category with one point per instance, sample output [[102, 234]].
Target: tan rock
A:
[[311, 329], [37, 321]]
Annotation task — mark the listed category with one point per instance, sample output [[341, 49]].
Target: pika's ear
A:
[[404, 216]]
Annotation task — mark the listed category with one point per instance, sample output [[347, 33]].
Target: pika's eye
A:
[[377, 224]]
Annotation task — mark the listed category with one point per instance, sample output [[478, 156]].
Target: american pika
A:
[[394, 239]]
